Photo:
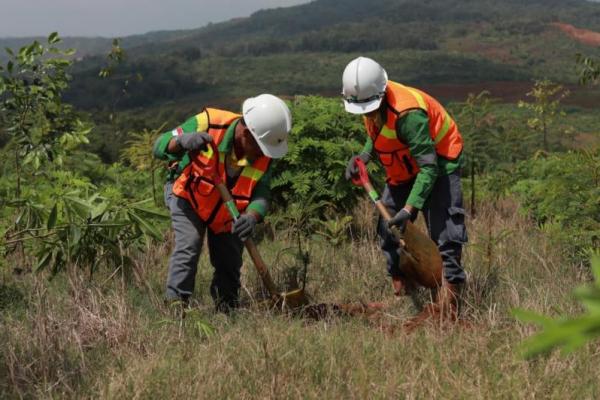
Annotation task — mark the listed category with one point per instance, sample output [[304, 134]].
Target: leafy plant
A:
[[87, 232], [335, 230], [58, 214], [186, 317], [42, 128], [589, 70], [138, 154], [477, 123], [567, 333], [115, 57], [560, 191], [298, 217], [323, 138], [546, 97]]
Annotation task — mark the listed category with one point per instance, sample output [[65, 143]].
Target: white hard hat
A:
[[364, 82], [269, 120]]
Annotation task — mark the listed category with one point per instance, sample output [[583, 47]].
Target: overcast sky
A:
[[112, 18]]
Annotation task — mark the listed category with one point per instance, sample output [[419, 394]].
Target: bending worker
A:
[[247, 143], [420, 148]]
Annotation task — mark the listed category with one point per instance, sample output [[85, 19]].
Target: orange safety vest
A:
[[400, 166], [196, 185]]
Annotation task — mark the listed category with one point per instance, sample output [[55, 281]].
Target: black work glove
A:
[[352, 169], [244, 226], [194, 141], [400, 220]]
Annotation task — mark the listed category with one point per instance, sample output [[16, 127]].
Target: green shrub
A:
[[561, 193], [323, 138]]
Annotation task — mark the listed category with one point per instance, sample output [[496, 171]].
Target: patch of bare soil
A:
[[584, 36]]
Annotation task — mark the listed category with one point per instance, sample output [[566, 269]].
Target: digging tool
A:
[[420, 258], [293, 299]]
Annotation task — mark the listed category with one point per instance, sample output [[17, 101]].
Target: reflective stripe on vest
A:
[[394, 155], [198, 188]]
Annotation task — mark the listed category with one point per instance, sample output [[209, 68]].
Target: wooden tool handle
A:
[[261, 266], [385, 213]]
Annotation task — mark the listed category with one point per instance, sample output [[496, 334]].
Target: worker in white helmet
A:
[[247, 143], [420, 148]]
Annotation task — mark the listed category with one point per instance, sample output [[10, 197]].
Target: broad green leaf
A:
[[52, 218], [561, 333], [114, 224], [80, 207], [36, 161], [43, 262], [53, 38], [99, 209], [529, 316], [145, 226], [75, 234], [157, 214], [596, 267]]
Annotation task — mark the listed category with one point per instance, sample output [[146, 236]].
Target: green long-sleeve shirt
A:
[[413, 129], [177, 162]]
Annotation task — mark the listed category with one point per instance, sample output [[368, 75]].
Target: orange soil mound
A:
[[584, 36]]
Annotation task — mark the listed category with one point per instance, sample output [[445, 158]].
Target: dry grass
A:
[[72, 339]]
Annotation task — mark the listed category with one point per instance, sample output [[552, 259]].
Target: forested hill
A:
[[357, 25], [303, 49]]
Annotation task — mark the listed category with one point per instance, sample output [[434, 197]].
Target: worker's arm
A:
[[261, 198], [161, 148], [413, 129], [166, 146], [368, 147]]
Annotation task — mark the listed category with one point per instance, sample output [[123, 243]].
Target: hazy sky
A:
[[120, 17]]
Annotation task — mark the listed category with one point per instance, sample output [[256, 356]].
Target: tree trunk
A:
[[18, 169], [473, 212], [545, 134], [152, 172]]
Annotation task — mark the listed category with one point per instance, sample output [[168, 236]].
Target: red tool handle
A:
[[363, 176]]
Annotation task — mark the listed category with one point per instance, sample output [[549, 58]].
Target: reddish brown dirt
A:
[[584, 36], [508, 92], [324, 310], [504, 91], [375, 314]]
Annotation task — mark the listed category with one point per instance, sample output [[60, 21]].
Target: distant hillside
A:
[[303, 49], [90, 46], [84, 46], [357, 25]]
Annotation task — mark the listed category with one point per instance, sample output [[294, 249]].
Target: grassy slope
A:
[[72, 339]]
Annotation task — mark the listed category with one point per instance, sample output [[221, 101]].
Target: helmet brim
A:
[[362, 108], [277, 151]]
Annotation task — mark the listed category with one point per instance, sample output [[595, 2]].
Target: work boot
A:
[[402, 286], [443, 309], [447, 300]]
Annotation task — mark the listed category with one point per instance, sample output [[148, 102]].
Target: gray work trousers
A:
[[445, 218], [225, 250]]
